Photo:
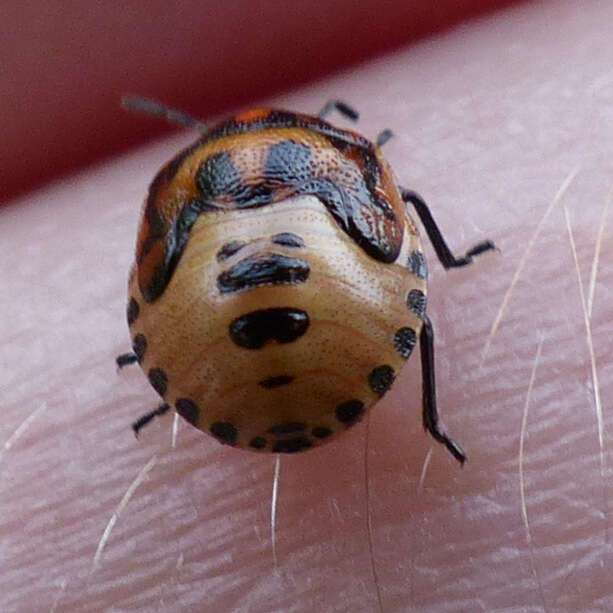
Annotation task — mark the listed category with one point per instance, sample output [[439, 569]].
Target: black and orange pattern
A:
[[259, 158]]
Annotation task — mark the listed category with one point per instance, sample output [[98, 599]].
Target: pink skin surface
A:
[[505, 127]]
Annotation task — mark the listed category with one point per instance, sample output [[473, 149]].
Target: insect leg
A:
[[153, 107], [143, 420], [430, 413], [447, 259], [126, 358], [341, 107], [383, 137]]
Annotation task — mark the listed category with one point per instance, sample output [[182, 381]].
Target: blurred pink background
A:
[[65, 66]]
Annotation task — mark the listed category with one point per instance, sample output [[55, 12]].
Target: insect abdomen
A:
[[288, 323]]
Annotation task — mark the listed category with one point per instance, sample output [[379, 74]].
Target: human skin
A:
[[504, 126]]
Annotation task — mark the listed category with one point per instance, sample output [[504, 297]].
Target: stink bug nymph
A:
[[279, 283]]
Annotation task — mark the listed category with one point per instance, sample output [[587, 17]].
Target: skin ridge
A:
[[294, 166]]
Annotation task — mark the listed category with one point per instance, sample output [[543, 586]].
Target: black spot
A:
[[229, 249], [321, 432], [276, 381], [288, 239], [404, 341], [416, 301], [139, 346], [282, 324], [380, 379], [288, 162], [417, 264], [263, 269], [289, 427], [133, 311], [292, 445], [217, 176], [188, 410], [225, 432], [350, 411], [159, 380], [259, 442]]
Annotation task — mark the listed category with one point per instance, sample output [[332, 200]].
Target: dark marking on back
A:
[[263, 269], [258, 442], [176, 239], [276, 381], [416, 301], [217, 177], [139, 346], [219, 180], [287, 239], [355, 211], [351, 189], [381, 378], [292, 445], [188, 410], [404, 341], [417, 264], [229, 249], [352, 193], [288, 427], [349, 412], [155, 222], [225, 432], [321, 432], [372, 172], [132, 311], [159, 380], [282, 324], [256, 195], [288, 162]]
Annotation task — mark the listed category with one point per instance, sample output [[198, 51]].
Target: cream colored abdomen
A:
[[355, 305]]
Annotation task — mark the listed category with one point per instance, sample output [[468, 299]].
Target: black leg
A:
[[126, 358], [341, 107], [430, 413], [447, 259], [383, 137], [153, 107], [143, 420]]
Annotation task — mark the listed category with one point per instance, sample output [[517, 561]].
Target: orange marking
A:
[[252, 115]]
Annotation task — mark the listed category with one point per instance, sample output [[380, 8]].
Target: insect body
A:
[[279, 283]]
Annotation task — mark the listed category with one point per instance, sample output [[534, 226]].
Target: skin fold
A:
[[504, 126]]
